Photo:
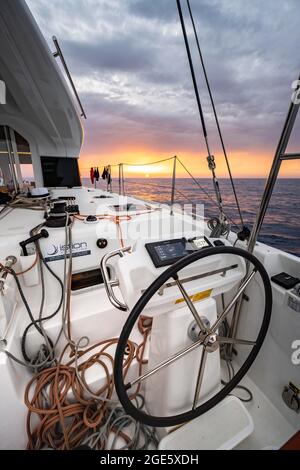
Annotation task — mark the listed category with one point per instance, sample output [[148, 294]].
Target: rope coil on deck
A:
[[69, 412]]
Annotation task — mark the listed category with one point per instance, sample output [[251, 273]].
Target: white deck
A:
[[94, 316]]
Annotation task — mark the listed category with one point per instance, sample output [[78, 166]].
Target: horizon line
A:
[[206, 177]]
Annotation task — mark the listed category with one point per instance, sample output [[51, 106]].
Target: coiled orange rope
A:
[[66, 413]]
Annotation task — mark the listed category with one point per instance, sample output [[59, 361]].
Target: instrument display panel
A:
[[167, 252]]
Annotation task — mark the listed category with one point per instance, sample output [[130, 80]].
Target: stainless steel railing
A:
[[58, 53]]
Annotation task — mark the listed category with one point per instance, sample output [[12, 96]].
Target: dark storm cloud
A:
[[130, 66]]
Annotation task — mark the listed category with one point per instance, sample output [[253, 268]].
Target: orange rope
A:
[[67, 404], [68, 413]]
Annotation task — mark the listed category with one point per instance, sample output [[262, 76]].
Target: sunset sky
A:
[[129, 63]]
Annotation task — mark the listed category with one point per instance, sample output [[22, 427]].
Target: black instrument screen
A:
[[167, 252]]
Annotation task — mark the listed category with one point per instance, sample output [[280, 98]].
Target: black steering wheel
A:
[[208, 337]]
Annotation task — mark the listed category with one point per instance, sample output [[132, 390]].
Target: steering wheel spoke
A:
[[190, 305], [245, 342], [165, 363], [200, 376], [243, 286]]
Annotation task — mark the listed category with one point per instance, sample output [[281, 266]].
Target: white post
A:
[[173, 185]]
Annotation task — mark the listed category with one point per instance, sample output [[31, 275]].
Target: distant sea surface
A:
[[281, 227]]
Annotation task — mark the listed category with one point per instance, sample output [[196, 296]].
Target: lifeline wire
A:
[[177, 190]]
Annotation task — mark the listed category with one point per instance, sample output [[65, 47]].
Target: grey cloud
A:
[[121, 53], [249, 46], [164, 10]]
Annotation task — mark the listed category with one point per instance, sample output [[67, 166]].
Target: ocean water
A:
[[281, 227]]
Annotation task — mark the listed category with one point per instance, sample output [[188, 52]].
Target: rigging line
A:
[[146, 164], [193, 75], [135, 164], [205, 192], [197, 183], [158, 185], [215, 113], [221, 223]]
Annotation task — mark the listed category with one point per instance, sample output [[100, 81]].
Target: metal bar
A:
[[196, 277], [269, 188], [59, 54], [173, 186], [122, 179], [165, 363], [280, 151], [108, 283], [121, 174], [119, 179], [225, 340], [16, 157], [290, 156], [191, 306], [200, 376], [123, 182], [10, 158], [233, 301]]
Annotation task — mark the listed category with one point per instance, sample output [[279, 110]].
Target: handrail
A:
[[108, 283], [58, 53], [221, 271]]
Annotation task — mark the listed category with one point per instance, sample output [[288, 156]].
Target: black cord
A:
[[33, 321], [215, 114], [49, 317], [193, 75], [44, 354], [40, 320]]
